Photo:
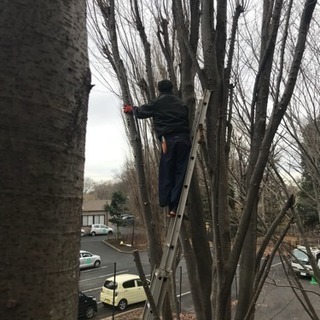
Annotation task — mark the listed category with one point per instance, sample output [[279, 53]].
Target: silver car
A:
[[300, 261], [87, 259]]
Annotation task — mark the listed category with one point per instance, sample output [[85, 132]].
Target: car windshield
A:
[[110, 285], [300, 255]]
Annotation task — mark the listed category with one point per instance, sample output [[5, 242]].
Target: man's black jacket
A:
[[169, 113]]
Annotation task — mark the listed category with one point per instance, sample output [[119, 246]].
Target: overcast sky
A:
[[106, 146]]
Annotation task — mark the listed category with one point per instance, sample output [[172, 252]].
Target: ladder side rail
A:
[[174, 235], [174, 229], [159, 277], [159, 282]]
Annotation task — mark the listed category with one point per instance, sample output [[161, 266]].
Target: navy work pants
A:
[[172, 169]]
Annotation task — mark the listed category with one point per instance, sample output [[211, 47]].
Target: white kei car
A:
[[127, 289], [100, 229], [87, 259]]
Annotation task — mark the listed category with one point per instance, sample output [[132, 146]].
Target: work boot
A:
[[171, 214]]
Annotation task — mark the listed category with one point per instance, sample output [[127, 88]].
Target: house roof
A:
[[94, 205]]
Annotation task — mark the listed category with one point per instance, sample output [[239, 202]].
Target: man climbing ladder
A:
[[160, 277], [171, 123]]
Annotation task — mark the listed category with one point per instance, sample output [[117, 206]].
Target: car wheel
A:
[[122, 304], [93, 233], [90, 312], [97, 263], [110, 232]]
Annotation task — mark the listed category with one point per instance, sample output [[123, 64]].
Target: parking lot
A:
[[276, 301]]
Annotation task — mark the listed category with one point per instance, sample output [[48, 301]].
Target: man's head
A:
[[165, 86]]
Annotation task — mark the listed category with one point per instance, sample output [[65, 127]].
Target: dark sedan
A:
[[87, 306]]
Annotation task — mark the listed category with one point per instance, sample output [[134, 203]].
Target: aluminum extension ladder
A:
[[159, 281]]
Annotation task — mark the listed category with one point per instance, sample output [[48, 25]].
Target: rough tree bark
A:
[[45, 83]]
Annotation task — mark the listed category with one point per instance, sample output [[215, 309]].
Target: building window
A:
[[89, 220], [99, 219]]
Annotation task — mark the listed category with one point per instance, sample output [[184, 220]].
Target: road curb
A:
[[119, 250], [121, 314]]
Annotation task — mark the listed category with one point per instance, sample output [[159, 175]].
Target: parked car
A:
[[300, 261], [127, 220], [127, 289], [122, 219], [87, 259], [124, 215], [83, 232], [100, 229], [87, 306]]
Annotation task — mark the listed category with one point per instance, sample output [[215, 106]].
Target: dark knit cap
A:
[[165, 86]]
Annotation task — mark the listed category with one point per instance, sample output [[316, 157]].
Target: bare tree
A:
[[111, 50], [190, 44], [88, 186]]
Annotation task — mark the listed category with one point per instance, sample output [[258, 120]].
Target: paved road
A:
[[91, 280], [277, 300]]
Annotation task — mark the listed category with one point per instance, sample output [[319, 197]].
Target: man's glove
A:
[[127, 108]]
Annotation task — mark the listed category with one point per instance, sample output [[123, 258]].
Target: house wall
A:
[[93, 212]]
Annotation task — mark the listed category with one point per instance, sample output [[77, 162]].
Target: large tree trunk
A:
[[45, 82], [201, 249], [260, 98]]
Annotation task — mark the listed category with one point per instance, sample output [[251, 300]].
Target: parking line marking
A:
[[276, 264], [93, 289], [90, 270], [103, 276]]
